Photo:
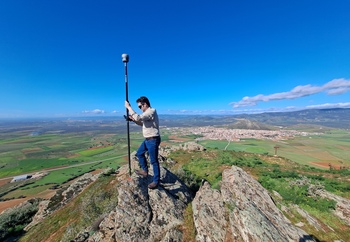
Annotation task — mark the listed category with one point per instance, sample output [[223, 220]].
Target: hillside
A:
[[205, 195]]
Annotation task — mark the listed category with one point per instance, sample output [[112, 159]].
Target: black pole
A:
[[125, 58]]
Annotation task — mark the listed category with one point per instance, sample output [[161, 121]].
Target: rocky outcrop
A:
[[241, 211], [40, 215], [192, 146], [143, 214], [209, 214], [189, 146]]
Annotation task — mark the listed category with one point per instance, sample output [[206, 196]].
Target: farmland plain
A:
[[58, 151], [64, 149]]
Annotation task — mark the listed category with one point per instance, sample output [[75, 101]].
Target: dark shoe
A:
[[141, 173], [153, 185]]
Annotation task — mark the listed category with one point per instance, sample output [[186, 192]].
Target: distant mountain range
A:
[[334, 118]]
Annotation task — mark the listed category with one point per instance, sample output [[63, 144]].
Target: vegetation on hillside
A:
[[276, 174], [13, 221], [86, 211]]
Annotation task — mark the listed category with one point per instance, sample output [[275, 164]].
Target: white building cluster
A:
[[214, 133]]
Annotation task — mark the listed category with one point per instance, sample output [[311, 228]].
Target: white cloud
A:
[[334, 87], [256, 110], [337, 86], [95, 111], [329, 105]]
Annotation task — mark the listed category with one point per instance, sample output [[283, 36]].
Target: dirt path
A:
[[326, 165], [3, 181], [14, 202]]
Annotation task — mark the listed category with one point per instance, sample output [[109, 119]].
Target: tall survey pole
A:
[[125, 58]]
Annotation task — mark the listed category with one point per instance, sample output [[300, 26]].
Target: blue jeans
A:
[[152, 147]]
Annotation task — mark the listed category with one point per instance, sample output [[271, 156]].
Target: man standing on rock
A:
[[150, 129]]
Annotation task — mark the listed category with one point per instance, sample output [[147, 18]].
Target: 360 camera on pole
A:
[[125, 58]]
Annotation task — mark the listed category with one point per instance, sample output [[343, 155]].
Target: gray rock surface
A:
[[241, 211], [209, 214], [143, 214]]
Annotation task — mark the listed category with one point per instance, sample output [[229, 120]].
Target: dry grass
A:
[[188, 227]]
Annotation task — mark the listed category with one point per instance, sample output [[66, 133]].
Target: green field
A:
[[27, 154], [77, 153], [331, 147], [23, 154], [64, 156], [58, 177]]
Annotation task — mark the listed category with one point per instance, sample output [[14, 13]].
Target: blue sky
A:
[[63, 58]]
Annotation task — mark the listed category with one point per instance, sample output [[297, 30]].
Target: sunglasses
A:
[[140, 106]]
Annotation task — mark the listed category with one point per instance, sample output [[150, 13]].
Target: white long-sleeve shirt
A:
[[149, 121]]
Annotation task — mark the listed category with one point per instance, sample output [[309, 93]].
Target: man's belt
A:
[[154, 137]]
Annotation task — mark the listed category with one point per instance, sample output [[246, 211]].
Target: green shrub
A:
[[189, 178], [298, 194], [333, 186], [109, 171], [234, 159], [12, 221], [267, 182], [277, 173], [343, 172]]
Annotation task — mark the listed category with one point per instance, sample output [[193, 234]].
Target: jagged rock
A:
[[164, 151], [146, 215], [192, 146], [300, 224], [40, 214], [276, 194], [77, 186], [81, 237], [209, 214], [241, 211]]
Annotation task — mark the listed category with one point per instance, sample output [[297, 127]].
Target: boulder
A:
[[241, 211], [143, 214]]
